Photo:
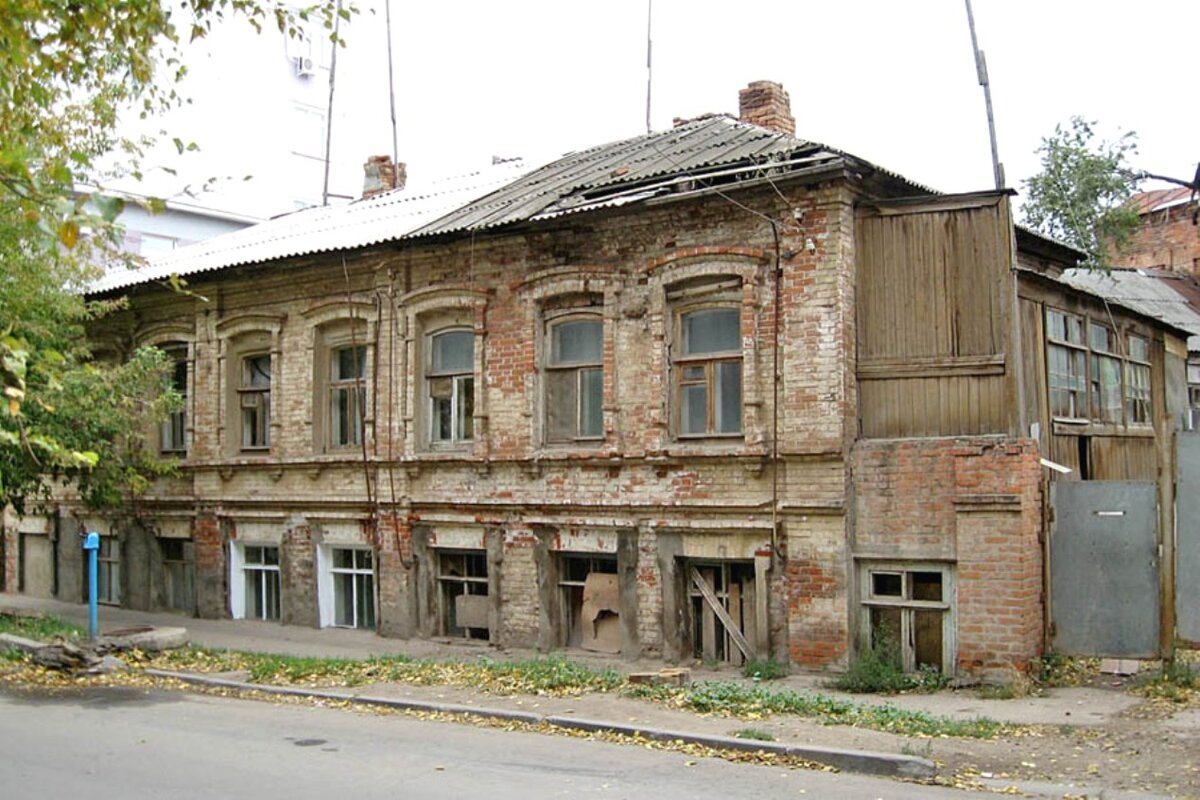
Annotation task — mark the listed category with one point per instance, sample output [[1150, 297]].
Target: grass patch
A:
[[42, 627], [553, 675], [755, 700], [757, 734], [764, 669]]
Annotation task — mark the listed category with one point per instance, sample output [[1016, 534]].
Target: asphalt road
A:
[[130, 743]]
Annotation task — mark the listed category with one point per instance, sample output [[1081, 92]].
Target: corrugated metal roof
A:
[[382, 218], [1152, 295], [1159, 199], [702, 150], [712, 151]]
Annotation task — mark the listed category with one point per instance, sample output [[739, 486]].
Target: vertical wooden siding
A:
[[934, 312]]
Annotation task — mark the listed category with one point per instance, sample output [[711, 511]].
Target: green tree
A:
[[70, 71], [1080, 195]]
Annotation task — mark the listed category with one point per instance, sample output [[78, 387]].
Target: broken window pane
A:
[[926, 585]]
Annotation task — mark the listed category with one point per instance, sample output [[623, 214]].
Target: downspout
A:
[[775, 387]]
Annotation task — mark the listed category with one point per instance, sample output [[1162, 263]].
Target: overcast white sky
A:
[[891, 81]]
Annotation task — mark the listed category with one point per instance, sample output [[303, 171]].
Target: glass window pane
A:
[[343, 558], [1100, 338], [591, 390], [728, 411], [561, 400], [576, 342], [343, 599], [442, 415], [348, 363], [256, 371], [271, 605], [271, 556], [712, 330], [364, 599], [465, 424], [693, 409], [453, 351], [1138, 349], [253, 595]]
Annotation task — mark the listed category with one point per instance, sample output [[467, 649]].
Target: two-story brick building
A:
[[710, 392]]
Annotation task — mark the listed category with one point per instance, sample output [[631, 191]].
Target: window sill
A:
[[1083, 427]]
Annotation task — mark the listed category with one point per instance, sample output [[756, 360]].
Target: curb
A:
[[866, 762]]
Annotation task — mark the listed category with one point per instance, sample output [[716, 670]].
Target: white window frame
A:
[[327, 586], [237, 577]]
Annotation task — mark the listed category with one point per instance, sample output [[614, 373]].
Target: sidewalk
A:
[[1068, 706], [997, 763]]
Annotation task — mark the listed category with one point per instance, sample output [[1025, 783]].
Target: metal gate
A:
[[1104, 581], [1187, 540]]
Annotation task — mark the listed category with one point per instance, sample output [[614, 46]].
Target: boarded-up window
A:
[[463, 581], [599, 628]]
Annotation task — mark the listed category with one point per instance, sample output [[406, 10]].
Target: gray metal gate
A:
[[1187, 540], [1104, 581]]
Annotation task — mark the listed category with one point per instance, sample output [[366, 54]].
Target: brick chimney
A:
[[381, 175], [766, 104]]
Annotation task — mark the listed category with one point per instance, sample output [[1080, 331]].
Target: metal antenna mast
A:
[[981, 70], [649, 71], [387, 9], [329, 108]]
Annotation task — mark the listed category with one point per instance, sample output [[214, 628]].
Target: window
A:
[[173, 435], [308, 131], [907, 614], [600, 629], [178, 590], [1092, 380], [708, 371], [1105, 380], [1066, 364], [347, 395], [1137, 381], [353, 588], [108, 571], [260, 574], [463, 580], [450, 380], [731, 584], [574, 381], [254, 398]]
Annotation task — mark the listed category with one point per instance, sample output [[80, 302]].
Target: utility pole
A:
[[981, 71]]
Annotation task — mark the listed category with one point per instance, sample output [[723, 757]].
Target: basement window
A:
[[590, 602], [108, 571], [353, 579], [729, 586], [260, 583], [178, 574], [907, 613], [463, 584]]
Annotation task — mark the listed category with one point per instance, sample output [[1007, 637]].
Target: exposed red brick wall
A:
[[1167, 239], [974, 502]]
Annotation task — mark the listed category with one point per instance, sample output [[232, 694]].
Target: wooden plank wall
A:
[[935, 293]]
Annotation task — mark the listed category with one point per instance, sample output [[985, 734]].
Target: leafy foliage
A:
[[1080, 195], [69, 73]]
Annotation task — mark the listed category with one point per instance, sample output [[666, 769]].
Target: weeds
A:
[[1058, 670], [764, 669], [1179, 682], [877, 669], [736, 699], [757, 734], [41, 628]]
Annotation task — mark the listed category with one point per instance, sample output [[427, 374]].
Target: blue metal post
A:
[[91, 543]]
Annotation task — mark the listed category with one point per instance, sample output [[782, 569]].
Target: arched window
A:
[[708, 372], [450, 386], [574, 379]]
